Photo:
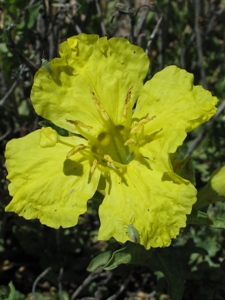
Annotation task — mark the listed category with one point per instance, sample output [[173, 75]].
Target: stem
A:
[[207, 196]]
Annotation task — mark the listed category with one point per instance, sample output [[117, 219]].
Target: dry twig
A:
[[37, 280], [205, 130]]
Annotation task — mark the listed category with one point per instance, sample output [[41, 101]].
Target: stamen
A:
[[94, 165], [127, 101], [140, 124], [99, 105], [130, 141], [110, 162], [77, 149], [79, 124]]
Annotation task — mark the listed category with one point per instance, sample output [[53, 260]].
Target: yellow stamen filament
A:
[[99, 106], [94, 165], [127, 102], [110, 162], [76, 149], [130, 141], [79, 124], [140, 124]]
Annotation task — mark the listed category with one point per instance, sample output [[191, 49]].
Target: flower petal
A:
[[176, 105], [46, 185], [92, 76], [155, 204]]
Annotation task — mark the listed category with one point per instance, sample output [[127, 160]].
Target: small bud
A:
[[218, 181], [214, 190], [48, 137]]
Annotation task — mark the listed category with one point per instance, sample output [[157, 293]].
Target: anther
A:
[[77, 149], [127, 101], [94, 165], [129, 142], [110, 162], [140, 124], [99, 106], [79, 124]]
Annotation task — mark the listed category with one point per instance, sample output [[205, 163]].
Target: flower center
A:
[[117, 145], [112, 143]]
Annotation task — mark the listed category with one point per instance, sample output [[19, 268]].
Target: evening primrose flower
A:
[[121, 136]]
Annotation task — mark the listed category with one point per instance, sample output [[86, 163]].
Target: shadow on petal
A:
[[71, 167], [170, 176], [57, 70]]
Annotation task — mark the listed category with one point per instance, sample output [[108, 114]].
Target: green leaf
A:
[[63, 295], [131, 254], [33, 11], [171, 263], [4, 292], [4, 48], [198, 217], [59, 130], [99, 261], [23, 108], [14, 294], [218, 223], [30, 16]]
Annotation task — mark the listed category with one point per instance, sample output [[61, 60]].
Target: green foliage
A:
[[132, 254], [60, 131], [199, 218], [30, 17], [12, 293]]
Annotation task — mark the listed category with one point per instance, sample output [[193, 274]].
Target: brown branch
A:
[[199, 44], [141, 19], [92, 276], [37, 280], [13, 86], [120, 290], [153, 35], [13, 47], [102, 24]]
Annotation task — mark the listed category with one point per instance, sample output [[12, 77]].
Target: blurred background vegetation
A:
[[53, 263]]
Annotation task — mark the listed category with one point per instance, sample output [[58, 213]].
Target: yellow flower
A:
[[122, 134]]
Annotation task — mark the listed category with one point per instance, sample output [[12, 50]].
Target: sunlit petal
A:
[[45, 184]]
